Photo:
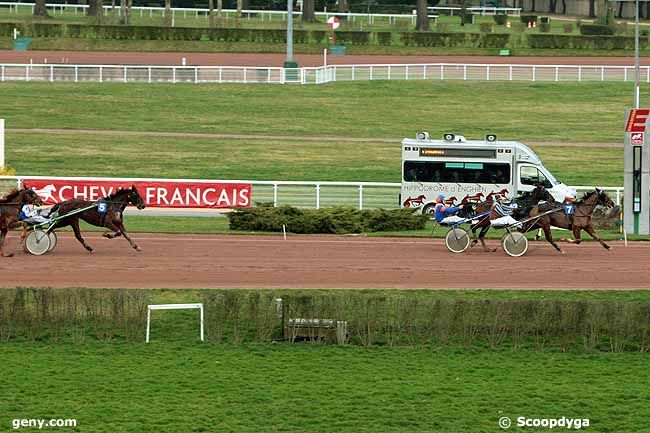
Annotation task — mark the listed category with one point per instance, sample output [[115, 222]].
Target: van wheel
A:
[[430, 208]]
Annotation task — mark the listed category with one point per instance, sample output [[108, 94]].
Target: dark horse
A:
[[10, 207], [584, 208], [111, 219], [524, 203]]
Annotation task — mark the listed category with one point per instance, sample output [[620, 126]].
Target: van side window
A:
[[532, 176], [457, 172]]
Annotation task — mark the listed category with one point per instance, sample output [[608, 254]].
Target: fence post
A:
[[579, 73], [510, 72], [317, 196], [174, 75], [370, 72], [464, 72], [275, 195], [602, 73], [424, 73], [149, 74], [625, 76], [618, 197], [557, 73], [388, 72], [125, 80], [101, 74], [487, 73], [26, 73], [360, 197], [2, 73], [407, 72], [352, 72], [76, 71], [442, 72], [245, 75], [534, 72], [51, 73], [196, 75]]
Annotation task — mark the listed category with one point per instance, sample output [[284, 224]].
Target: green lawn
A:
[[173, 385], [206, 158], [568, 112]]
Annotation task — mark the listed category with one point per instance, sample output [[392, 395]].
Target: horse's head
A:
[[29, 196], [540, 193], [135, 198], [603, 199]]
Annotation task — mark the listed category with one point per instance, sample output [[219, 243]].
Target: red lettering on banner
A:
[[155, 194], [636, 121]]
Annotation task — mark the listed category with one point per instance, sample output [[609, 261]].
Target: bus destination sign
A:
[[457, 153]]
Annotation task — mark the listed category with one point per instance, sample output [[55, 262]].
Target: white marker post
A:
[[2, 143]]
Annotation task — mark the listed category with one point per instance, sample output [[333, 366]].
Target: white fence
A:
[[318, 75], [305, 194], [476, 10], [202, 13]]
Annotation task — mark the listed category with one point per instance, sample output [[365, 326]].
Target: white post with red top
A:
[[333, 23], [2, 143]]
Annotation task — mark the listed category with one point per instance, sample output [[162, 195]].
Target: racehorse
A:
[[524, 202], [584, 208], [112, 217], [10, 207]]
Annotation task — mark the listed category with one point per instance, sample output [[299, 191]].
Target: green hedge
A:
[[336, 220], [397, 319], [552, 41], [596, 30], [474, 40]]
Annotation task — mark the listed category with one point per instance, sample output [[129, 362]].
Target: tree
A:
[[552, 6], [592, 8], [211, 13], [563, 7], [344, 6], [168, 12], [308, 11], [39, 9], [219, 7], [95, 8], [532, 6], [240, 6], [422, 23]]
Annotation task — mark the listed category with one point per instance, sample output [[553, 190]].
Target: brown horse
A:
[[111, 217], [524, 203], [584, 208], [10, 207]]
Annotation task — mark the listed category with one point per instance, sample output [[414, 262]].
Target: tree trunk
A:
[[620, 9], [95, 8], [563, 7], [219, 7], [122, 11], [211, 13], [39, 8], [422, 23], [240, 6], [552, 6], [532, 6], [344, 6], [308, 11], [168, 13], [592, 8]]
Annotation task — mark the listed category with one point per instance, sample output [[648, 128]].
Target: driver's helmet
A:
[[440, 199], [569, 199]]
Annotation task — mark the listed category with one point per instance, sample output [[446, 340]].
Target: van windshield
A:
[[457, 172]]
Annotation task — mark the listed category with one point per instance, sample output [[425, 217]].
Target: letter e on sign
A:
[[636, 121]]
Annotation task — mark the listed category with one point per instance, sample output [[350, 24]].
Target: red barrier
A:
[[155, 194]]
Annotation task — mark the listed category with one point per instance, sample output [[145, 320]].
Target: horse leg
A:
[[112, 235], [589, 229], [77, 234], [481, 237], [538, 236], [3, 235], [118, 227], [549, 238]]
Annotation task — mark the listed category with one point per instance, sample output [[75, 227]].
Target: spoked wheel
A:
[[37, 242], [53, 241], [457, 240], [515, 244]]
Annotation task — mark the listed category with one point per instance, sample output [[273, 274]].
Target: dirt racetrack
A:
[[203, 261]]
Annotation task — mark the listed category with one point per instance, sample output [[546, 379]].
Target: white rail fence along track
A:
[[305, 194], [56, 72], [202, 13]]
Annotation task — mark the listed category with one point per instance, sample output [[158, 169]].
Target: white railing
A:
[[315, 75], [306, 194], [202, 13], [473, 72], [478, 10]]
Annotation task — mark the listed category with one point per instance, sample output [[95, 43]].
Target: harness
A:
[[569, 211], [102, 210]]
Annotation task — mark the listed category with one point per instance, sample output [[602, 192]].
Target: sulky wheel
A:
[[53, 241], [37, 242], [457, 240], [514, 244]]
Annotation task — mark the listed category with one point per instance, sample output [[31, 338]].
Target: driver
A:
[[445, 214], [29, 214]]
